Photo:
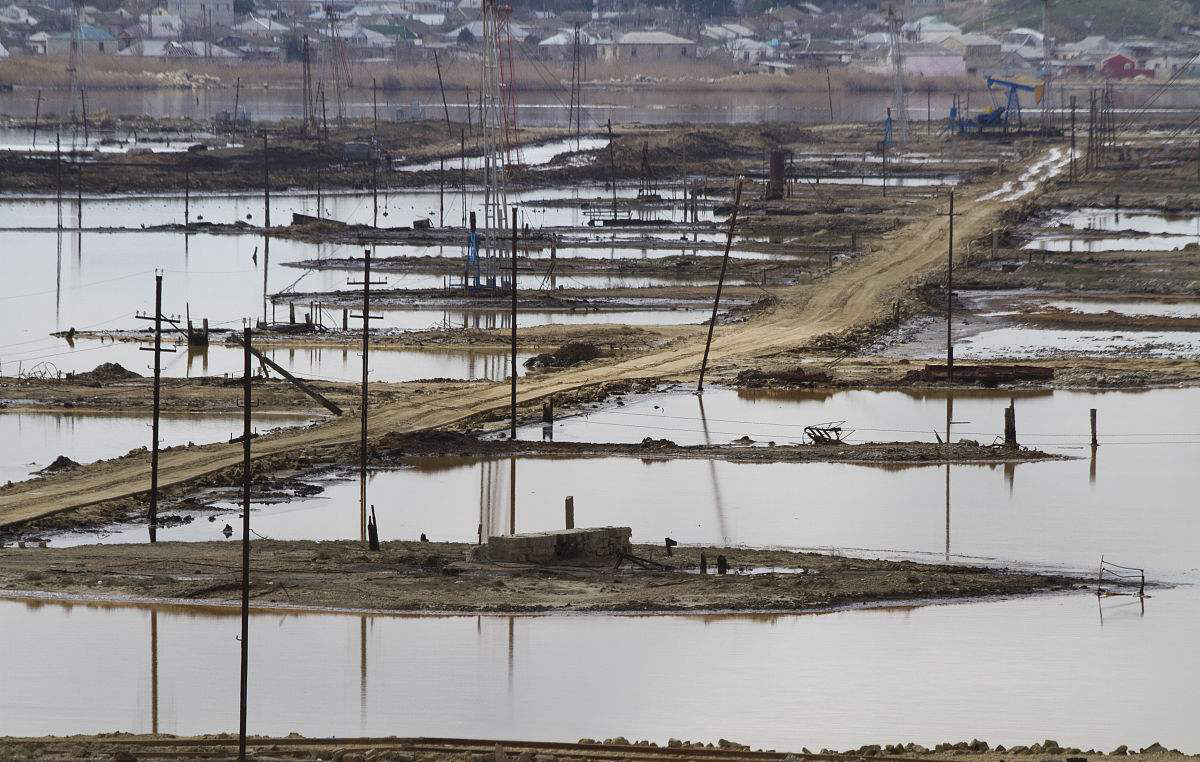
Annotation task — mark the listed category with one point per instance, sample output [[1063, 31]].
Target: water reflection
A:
[[900, 666]]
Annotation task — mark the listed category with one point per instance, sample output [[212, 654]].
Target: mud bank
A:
[[416, 576], [355, 749]]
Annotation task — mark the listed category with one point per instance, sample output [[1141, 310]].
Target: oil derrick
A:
[[496, 127], [337, 66], [900, 103], [75, 62]]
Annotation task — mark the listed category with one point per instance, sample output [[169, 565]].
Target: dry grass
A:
[[112, 72]]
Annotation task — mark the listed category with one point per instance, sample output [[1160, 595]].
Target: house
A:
[[747, 50], [561, 45], [1022, 39], [929, 29], [257, 28], [920, 60], [820, 53], [1090, 45], [173, 49], [15, 16], [1121, 66], [647, 46], [92, 40], [475, 28], [156, 26], [218, 13], [979, 51]]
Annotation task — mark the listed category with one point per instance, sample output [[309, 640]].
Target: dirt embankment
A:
[[108, 746], [416, 576]]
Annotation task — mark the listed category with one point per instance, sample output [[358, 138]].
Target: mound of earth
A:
[[568, 354], [61, 463], [109, 371]]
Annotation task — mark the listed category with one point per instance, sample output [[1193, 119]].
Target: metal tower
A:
[[900, 101], [336, 64], [494, 123], [75, 61]]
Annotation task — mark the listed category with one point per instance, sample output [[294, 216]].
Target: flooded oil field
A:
[[781, 427]]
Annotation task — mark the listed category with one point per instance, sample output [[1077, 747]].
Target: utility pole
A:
[[79, 196], [612, 170], [442, 192], [37, 113], [58, 185], [950, 292], [157, 350], [513, 430], [366, 317], [374, 108], [374, 194], [829, 92], [187, 191], [737, 202], [246, 474], [1073, 175], [266, 187]]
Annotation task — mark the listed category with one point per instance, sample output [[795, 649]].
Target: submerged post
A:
[[1010, 424], [513, 430], [737, 202], [1095, 441], [569, 508], [246, 474]]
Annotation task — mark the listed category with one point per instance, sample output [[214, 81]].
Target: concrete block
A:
[[585, 545]]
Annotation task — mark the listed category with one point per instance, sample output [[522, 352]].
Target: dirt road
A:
[[851, 298]]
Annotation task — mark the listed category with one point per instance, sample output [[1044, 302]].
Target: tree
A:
[[465, 38]]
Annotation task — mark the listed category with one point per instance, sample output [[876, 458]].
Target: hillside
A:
[[1074, 19]]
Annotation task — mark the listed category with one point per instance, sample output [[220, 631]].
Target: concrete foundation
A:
[[587, 546]]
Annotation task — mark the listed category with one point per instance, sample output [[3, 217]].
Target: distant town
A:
[[783, 39]]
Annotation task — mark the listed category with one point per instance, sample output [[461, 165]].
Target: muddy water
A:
[[1132, 220], [1139, 243], [878, 181], [530, 156], [397, 208], [1054, 420], [85, 438], [535, 109], [1011, 672], [1033, 343], [118, 141], [98, 281], [1060, 515]]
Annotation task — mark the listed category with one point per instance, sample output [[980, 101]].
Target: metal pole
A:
[[442, 87], [79, 195], [246, 475], [513, 429], [374, 194], [441, 193], [737, 201], [37, 113], [187, 193], [829, 92], [1072, 139], [58, 174], [950, 292], [374, 108]]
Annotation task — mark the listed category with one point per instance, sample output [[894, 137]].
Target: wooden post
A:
[[157, 404], [612, 170], [950, 293], [37, 113], [513, 429], [374, 194], [548, 412], [1010, 424], [1095, 441], [712, 323], [58, 175], [187, 195], [722, 565], [246, 476], [1073, 175], [829, 92], [266, 186], [292, 313], [345, 319], [883, 151], [374, 108], [703, 563], [569, 507], [442, 193], [79, 195], [442, 87]]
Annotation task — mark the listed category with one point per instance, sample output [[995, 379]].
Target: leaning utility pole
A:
[[737, 202], [246, 474], [366, 317], [157, 350]]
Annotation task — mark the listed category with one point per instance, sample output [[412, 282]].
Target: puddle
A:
[[88, 437], [174, 669], [1032, 343], [397, 208], [530, 155], [892, 182], [1050, 514], [1053, 420], [1098, 245], [1051, 164], [22, 139], [1138, 308], [1155, 223], [322, 363]]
